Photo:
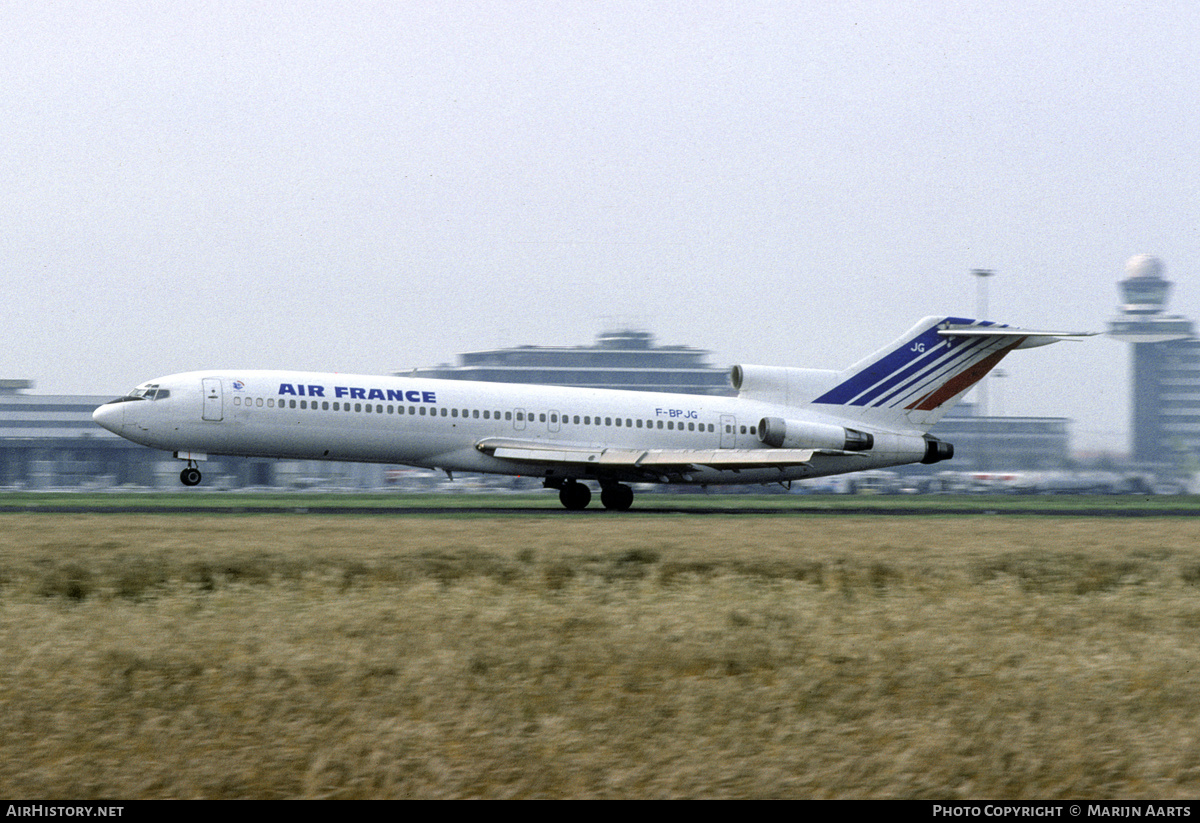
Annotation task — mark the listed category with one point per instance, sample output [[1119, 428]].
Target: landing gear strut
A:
[[190, 476]]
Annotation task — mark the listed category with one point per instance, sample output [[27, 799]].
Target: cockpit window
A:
[[150, 391]]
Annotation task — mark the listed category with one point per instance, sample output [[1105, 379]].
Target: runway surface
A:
[[639, 510]]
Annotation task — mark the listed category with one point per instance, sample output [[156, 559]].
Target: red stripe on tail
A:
[[962, 381]]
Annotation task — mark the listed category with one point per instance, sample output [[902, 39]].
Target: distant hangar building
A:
[[625, 359]]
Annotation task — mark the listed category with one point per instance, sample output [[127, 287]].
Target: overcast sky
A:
[[364, 187]]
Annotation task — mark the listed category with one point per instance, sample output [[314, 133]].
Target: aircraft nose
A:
[[110, 416]]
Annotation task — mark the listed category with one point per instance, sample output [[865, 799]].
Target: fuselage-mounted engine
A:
[[936, 450], [804, 434]]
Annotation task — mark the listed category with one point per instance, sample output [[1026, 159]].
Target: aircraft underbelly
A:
[[821, 466]]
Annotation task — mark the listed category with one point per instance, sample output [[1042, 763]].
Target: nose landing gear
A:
[[190, 476]]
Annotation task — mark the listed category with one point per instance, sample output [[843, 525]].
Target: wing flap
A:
[[729, 459], [650, 460]]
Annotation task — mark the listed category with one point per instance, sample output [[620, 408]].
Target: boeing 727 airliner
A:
[[785, 423]]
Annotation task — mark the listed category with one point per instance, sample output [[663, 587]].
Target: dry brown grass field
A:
[[599, 656]]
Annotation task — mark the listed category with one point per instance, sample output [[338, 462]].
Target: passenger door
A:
[[728, 431], [214, 406]]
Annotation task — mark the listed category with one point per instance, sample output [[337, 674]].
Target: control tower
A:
[[1166, 365]]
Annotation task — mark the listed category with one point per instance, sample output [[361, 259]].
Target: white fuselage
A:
[[455, 425]]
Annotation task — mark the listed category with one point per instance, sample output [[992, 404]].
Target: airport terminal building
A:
[[50, 441]]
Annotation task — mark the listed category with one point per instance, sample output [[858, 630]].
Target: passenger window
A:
[[752, 430], [237, 401], [454, 412], [618, 422]]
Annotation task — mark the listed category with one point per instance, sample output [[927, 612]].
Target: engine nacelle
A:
[[795, 434], [780, 385], [936, 450]]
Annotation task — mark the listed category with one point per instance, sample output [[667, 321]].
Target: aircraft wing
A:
[[650, 461]]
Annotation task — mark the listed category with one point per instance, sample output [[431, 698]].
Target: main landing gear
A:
[[190, 476], [616, 498], [575, 496]]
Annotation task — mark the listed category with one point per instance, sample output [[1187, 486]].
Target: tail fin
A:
[[911, 383]]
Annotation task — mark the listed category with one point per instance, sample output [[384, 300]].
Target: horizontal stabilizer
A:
[[1031, 339]]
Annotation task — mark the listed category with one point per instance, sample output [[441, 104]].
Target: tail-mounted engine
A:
[[794, 434], [936, 450]]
